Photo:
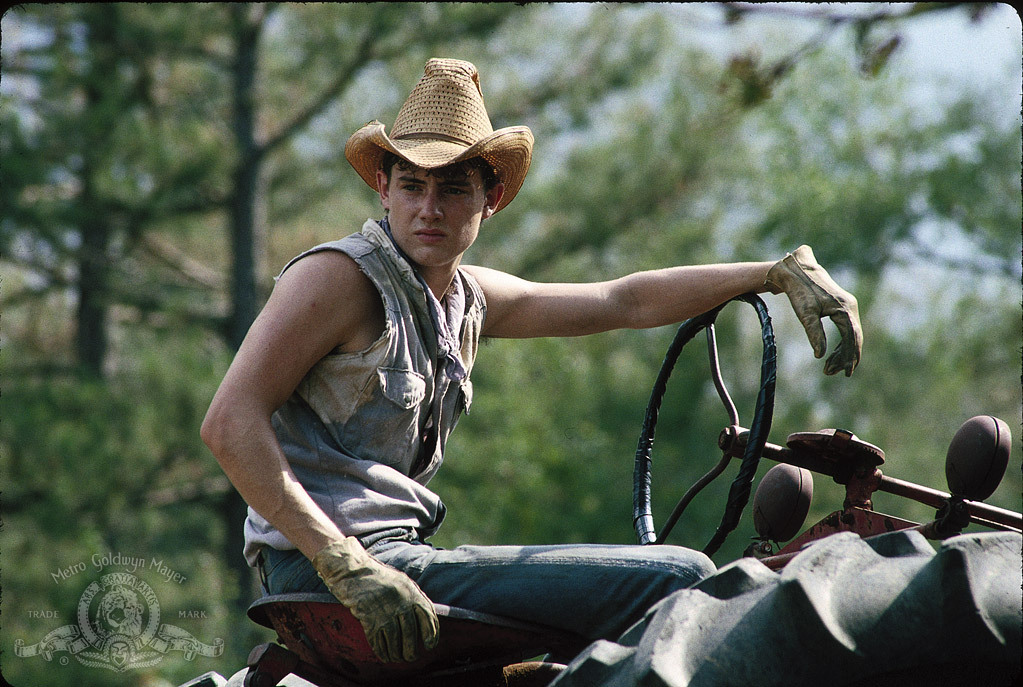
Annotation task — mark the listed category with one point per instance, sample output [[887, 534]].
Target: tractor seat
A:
[[328, 647]]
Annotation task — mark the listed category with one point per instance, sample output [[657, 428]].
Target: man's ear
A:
[[383, 188], [493, 198]]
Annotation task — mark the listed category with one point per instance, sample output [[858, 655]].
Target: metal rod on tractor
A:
[[732, 442]]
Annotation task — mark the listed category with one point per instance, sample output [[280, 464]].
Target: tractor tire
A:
[[846, 611]]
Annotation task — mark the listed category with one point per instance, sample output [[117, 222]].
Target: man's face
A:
[[435, 215]]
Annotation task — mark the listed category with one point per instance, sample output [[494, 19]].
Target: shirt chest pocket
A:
[[405, 388], [386, 427]]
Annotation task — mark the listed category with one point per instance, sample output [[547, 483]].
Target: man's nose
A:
[[430, 207]]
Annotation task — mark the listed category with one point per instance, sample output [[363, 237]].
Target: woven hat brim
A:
[[509, 151]]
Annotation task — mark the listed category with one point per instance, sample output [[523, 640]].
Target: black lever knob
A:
[[977, 457], [782, 502]]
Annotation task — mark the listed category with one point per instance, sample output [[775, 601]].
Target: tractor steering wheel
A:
[[739, 492]]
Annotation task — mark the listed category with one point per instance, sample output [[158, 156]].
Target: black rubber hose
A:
[[739, 492], [641, 507]]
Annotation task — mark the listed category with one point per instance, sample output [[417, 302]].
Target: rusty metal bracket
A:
[[863, 522], [951, 519]]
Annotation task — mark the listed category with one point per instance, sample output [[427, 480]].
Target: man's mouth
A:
[[430, 235]]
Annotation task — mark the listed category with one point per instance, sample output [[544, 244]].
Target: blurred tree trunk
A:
[[93, 262], [246, 26], [93, 270]]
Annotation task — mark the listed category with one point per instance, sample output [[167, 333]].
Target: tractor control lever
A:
[[977, 459]]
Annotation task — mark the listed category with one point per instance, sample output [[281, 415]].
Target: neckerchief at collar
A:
[[447, 321]]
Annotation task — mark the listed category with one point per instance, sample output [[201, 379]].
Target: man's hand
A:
[[393, 611], [815, 295]]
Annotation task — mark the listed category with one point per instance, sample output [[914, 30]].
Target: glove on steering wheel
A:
[[815, 295]]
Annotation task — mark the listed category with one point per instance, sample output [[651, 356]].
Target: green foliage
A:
[[95, 468], [869, 175], [647, 154]]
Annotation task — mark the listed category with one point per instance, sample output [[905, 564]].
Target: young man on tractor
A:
[[334, 415]]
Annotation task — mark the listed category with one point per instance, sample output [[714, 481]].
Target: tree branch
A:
[[188, 267], [740, 9], [363, 54], [26, 295]]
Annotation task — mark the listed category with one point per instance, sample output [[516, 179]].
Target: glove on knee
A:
[[393, 611]]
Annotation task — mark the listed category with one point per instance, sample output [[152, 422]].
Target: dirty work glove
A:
[[815, 295], [393, 611]]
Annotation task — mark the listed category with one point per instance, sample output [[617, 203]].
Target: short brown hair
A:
[[465, 167]]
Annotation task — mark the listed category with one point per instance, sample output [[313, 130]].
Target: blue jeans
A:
[[595, 591]]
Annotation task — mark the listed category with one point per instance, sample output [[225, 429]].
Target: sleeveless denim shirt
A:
[[359, 428]]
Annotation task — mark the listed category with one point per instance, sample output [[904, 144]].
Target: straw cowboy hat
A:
[[443, 122]]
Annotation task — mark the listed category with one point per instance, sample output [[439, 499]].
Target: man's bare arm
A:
[[323, 301], [517, 308]]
